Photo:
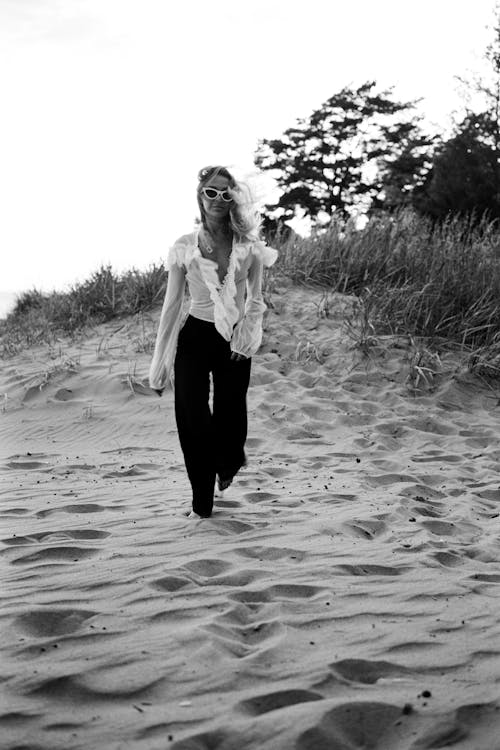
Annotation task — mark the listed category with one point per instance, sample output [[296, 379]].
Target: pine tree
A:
[[328, 163]]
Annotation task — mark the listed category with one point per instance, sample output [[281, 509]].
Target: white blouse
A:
[[236, 318]]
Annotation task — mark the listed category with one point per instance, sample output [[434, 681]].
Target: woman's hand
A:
[[237, 357]]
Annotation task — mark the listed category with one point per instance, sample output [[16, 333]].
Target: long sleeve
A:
[[247, 334], [168, 330]]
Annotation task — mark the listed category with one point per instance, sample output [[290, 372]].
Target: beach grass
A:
[[436, 282], [39, 318]]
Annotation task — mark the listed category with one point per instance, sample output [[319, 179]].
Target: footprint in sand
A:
[[413, 648], [170, 583], [209, 567], [294, 591], [56, 555], [80, 508], [56, 536], [490, 495], [428, 507], [45, 623], [449, 458], [27, 465], [448, 559], [230, 526], [81, 467], [227, 504], [343, 496], [63, 394], [262, 704], [367, 672], [104, 684], [421, 492], [19, 720], [356, 724], [277, 592], [441, 528]]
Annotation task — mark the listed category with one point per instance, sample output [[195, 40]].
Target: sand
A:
[[345, 593]]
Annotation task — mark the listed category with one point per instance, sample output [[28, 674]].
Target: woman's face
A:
[[216, 208]]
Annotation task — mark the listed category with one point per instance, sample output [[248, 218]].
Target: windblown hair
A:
[[244, 217]]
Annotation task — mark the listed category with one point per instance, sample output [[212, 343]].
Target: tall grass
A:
[[39, 317], [438, 281], [420, 278]]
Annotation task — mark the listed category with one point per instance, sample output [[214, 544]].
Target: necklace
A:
[[208, 248]]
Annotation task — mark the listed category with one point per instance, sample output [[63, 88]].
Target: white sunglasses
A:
[[213, 193]]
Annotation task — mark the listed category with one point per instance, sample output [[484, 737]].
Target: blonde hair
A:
[[244, 216]]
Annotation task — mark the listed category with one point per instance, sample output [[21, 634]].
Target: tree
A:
[[465, 175], [405, 169], [481, 92], [328, 163]]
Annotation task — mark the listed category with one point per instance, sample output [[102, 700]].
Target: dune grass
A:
[[42, 318], [438, 282]]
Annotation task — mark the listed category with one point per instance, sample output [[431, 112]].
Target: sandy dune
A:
[[345, 593]]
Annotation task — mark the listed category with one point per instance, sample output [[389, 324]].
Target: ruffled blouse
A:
[[235, 306]]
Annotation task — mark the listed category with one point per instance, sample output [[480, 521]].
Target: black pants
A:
[[212, 443]]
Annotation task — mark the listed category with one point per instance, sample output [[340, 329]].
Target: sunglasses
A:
[[213, 193]]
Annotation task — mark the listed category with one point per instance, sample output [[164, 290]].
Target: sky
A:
[[110, 107]]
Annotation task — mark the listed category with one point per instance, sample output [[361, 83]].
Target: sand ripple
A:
[[345, 593]]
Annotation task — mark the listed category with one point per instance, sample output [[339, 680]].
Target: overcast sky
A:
[[110, 107]]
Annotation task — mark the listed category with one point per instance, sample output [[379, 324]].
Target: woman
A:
[[222, 263]]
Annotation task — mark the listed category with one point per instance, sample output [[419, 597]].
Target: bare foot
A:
[[192, 514]]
